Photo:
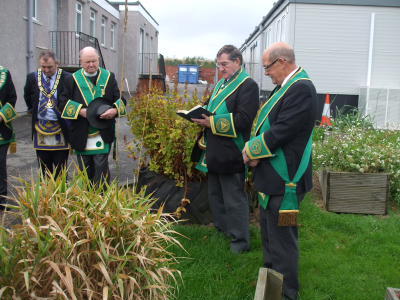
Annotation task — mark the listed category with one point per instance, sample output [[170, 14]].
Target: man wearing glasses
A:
[[233, 104], [279, 149]]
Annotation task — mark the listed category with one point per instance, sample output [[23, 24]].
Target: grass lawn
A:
[[343, 257]]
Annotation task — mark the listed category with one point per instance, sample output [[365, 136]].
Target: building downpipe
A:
[[29, 56]]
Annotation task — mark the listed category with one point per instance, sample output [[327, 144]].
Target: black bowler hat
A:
[[96, 108]]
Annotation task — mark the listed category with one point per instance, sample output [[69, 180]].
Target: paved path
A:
[[24, 163]]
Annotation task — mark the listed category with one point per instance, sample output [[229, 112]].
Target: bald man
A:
[[92, 145], [280, 152]]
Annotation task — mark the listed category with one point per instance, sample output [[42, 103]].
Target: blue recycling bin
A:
[[188, 73]]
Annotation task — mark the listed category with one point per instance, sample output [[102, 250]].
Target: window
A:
[[252, 63], [78, 12], [103, 31], [34, 12], [92, 23], [147, 44], [151, 45], [141, 49], [278, 31], [283, 33], [269, 37], [112, 38]]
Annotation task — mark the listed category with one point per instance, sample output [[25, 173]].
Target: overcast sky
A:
[[200, 28]]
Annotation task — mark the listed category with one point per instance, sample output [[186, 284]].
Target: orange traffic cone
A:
[[326, 114]]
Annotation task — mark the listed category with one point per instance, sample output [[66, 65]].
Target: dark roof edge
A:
[[135, 3], [265, 18], [381, 3], [148, 13]]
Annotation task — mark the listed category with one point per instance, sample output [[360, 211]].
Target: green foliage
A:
[[167, 139], [77, 241], [349, 117], [352, 145], [342, 257], [196, 60]]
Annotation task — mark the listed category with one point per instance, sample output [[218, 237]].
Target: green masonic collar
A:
[[220, 94], [88, 90]]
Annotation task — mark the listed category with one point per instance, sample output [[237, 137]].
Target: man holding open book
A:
[[232, 106]]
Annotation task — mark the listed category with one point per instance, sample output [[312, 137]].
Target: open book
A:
[[194, 113]]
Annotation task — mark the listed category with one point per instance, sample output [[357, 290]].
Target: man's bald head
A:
[[279, 61], [88, 50], [282, 50], [89, 58]]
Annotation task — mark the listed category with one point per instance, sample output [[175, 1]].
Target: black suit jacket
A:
[[7, 94], [32, 95], [292, 121], [79, 128], [223, 156]]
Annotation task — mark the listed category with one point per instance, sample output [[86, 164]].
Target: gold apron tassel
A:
[[12, 148], [288, 218]]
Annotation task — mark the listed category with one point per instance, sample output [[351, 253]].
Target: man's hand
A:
[[109, 114], [205, 122], [82, 112], [250, 162]]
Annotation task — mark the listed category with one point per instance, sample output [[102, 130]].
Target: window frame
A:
[[113, 26], [103, 31], [92, 22], [78, 12], [34, 12]]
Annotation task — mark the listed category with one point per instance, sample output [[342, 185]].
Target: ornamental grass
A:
[[79, 241]]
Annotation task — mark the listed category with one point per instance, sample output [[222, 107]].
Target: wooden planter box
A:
[[348, 192], [391, 294]]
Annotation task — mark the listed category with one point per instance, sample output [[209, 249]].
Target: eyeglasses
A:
[[267, 67], [223, 64]]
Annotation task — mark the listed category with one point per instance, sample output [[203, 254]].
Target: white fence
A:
[[382, 105]]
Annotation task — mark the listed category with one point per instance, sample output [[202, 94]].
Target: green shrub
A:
[[352, 145], [77, 241], [166, 138]]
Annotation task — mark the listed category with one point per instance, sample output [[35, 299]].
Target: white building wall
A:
[[386, 53], [332, 42], [278, 29]]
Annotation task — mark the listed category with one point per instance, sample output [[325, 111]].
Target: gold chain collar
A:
[[54, 89]]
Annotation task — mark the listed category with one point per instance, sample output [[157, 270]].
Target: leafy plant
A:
[[353, 145], [78, 241], [351, 117], [165, 138]]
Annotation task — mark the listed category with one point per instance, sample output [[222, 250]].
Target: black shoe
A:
[[288, 298], [239, 248]]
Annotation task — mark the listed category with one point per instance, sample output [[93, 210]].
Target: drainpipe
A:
[[370, 55], [29, 55]]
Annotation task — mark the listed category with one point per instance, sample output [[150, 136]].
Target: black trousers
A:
[[3, 174], [230, 208], [280, 246], [53, 161], [96, 167]]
